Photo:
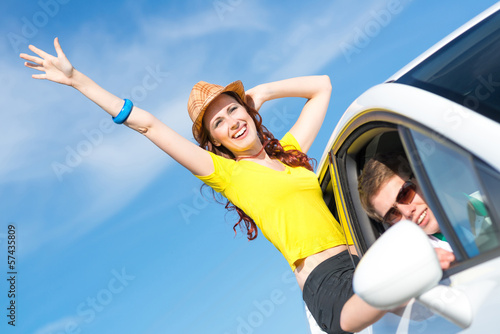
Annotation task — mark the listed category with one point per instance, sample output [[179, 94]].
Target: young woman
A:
[[269, 182]]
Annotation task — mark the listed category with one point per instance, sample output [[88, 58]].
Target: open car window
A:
[[459, 189], [367, 141]]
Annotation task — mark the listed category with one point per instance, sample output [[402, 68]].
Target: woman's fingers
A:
[[58, 48], [39, 76], [34, 66], [39, 52], [30, 58], [57, 69]]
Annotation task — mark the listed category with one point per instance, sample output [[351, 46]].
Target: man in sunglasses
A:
[[389, 193]]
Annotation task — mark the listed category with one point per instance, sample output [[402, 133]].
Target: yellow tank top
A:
[[287, 206]]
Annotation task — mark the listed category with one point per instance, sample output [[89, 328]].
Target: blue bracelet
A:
[[124, 113]]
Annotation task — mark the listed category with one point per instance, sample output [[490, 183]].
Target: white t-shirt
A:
[[437, 243]]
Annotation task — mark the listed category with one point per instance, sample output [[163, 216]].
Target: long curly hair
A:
[[273, 148]]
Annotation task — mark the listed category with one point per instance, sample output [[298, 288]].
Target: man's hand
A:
[[445, 258]]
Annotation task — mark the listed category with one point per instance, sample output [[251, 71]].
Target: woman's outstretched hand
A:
[[57, 69]]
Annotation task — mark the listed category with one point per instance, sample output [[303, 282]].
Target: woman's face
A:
[[230, 125], [416, 211]]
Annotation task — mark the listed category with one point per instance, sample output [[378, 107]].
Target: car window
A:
[[465, 71], [454, 179]]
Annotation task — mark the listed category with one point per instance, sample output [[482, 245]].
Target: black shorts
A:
[[327, 288]]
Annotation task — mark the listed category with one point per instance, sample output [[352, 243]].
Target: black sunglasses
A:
[[405, 196]]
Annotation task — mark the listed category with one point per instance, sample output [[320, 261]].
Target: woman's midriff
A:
[[306, 266]]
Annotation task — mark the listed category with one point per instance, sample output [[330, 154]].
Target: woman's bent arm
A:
[[317, 89], [60, 70]]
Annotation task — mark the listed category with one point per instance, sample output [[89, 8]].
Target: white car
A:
[[443, 112]]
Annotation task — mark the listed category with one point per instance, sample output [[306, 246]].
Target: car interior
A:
[[350, 160], [366, 142]]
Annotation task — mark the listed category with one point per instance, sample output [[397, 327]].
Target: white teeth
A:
[[239, 133], [422, 216]]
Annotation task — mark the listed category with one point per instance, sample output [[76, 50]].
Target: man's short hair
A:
[[376, 172]]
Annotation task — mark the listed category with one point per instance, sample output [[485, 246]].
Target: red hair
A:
[[290, 157]]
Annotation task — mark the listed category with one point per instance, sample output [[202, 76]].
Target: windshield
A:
[[466, 71]]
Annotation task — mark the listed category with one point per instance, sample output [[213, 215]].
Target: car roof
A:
[[444, 41], [425, 108]]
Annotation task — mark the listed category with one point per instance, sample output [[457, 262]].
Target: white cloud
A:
[[53, 118], [60, 326], [222, 16], [313, 40], [25, 106]]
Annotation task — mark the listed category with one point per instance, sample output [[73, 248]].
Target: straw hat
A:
[[202, 94]]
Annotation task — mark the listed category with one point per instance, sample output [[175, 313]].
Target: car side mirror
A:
[[400, 265]]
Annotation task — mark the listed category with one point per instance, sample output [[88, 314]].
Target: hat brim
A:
[[236, 87]]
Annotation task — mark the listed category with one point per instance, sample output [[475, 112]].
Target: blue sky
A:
[[112, 235]]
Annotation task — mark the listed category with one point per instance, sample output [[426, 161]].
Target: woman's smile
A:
[[231, 126], [241, 133]]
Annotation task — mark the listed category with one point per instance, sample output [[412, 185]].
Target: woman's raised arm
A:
[[317, 89], [60, 70]]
